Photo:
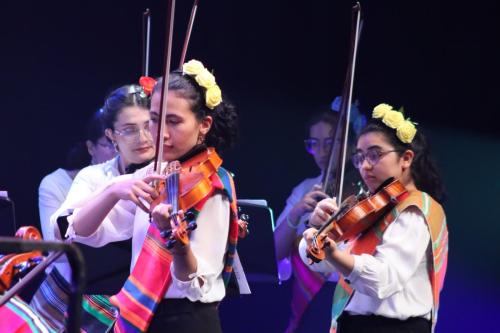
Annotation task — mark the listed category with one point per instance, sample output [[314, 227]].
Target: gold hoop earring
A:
[[201, 138]]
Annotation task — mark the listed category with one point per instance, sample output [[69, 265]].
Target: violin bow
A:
[[164, 87], [339, 150], [146, 34], [188, 33]]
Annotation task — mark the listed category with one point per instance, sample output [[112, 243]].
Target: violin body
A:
[[185, 186], [15, 265], [364, 213], [355, 216]]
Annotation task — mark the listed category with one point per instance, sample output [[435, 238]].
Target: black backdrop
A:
[[277, 60]]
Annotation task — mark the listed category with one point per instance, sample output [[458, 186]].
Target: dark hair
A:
[[329, 117], [95, 128], [77, 157], [423, 168], [117, 100], [224, 130]]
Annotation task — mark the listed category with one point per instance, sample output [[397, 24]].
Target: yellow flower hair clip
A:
[[405, 129], [206, 80]]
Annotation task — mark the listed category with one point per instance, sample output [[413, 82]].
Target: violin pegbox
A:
[[243, 219], [172, 168]]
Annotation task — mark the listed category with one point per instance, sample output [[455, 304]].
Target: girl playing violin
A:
[[174, 290], [290, 224], [391, 274]]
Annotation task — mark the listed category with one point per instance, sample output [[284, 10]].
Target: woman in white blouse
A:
[[125, 119], [391, 284], [196, 118]]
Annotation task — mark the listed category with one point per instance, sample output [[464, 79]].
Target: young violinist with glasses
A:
[[291, 225], [392, 273], [176, 289]]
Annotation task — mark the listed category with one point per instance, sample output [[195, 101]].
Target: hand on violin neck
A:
[[323, 241], [307, 203], [324, 209], [162, 216]]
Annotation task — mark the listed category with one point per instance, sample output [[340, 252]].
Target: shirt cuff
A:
[[70, 232], [324, 266], [198, 285]]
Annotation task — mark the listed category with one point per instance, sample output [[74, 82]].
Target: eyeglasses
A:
[[372, 156], [133, 132], [314, 145]]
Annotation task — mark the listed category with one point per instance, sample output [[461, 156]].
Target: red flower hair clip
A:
[[148, 84]]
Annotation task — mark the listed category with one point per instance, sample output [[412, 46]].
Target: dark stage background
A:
[[278, 61]]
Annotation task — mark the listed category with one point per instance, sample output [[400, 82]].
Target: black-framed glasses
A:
[[133, 132], [314, 145], [372, 156]]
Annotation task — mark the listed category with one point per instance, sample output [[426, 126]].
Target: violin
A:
[[185, 185], [13, 266], [170, 191], [333, 178], [355, 215]]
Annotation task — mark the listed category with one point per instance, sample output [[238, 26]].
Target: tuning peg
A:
[[192, 225], [189, 216], [171, 242], [166, 233]]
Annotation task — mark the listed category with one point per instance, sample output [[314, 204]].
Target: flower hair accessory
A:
[[405, 129], [148, 84], [206, 80]]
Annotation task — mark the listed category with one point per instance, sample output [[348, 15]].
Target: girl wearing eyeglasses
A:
[[125, 117], [291, 223], [391, 275]]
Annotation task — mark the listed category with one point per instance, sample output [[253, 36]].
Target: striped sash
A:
[[51, 299], [146, 285], [17, 316], [151, 276], [366, 243], [306, 284], [98, 314], [51, 303]]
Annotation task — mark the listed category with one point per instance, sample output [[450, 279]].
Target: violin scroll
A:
[[180, 232], [14, 266]]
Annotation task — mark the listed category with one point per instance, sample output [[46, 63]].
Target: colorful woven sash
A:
[[146, 285], [51, 299], [305, 285], [98, 314], [17, 316], [151, 276], [366, 243]]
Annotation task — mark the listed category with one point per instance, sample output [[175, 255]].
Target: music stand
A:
[[256, 251]]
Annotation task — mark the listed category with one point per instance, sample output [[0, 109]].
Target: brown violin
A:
[[355, 215], [15, 265]]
